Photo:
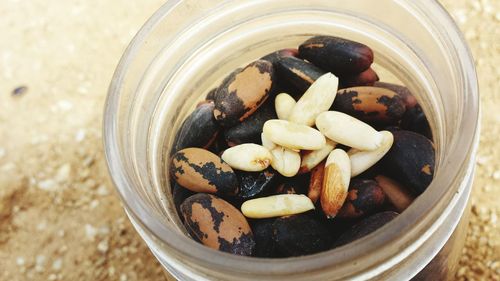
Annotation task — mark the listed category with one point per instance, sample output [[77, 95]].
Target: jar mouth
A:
[[387, 248]]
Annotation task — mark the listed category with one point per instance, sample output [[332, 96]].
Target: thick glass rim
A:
[[415, 217]]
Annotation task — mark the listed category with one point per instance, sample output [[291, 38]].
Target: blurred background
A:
[[60, 218]]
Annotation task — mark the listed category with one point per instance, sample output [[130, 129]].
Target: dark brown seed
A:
[[256, 184], [410, 160], [300, 235], [297, 74], [200, 170], [217, 224], [198, 130], [399, 196], [296, 185], [365, 197], [408, 98], [339, 56], [365, 227], [242, 92], [262, 230], [416, 121], [365, 78], [275, 56], [211, 95], [179, 194], [250, 129], [316, 182], [370, 104]]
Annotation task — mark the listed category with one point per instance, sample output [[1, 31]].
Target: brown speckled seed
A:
[[200, 170], [242, 92], [365, 197], [217, 224]]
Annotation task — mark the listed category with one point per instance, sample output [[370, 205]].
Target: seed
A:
[[211, 95], [365, 197], [294, 185], [250, 129], [263, 234], [300, 235], [317, 99], [398, 195], [285, 161], [253, 184], [276, 206], [408, 98], [415, 120], [217, 224], [242, 92], [340, 56], [280, 54], [336, 179], [298, 74], [410, 161], [293, 136], [198, 130], [267, 143], [348, 130], [200, 170], [179, 194], [248, 157], [316, 182], [365, 227], [371, 104], [363, 160], [284, 104], [365, 78], [311, 158]]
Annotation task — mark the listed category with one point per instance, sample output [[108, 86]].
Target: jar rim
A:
[[139, 210]]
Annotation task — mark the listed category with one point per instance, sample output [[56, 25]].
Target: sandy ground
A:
[[60, 218]]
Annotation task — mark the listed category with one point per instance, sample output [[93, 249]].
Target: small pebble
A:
[[20, 261], [57, 264], [19, 91]]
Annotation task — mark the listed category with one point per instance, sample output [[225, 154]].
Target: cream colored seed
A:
[[347, 130], [318, 98], [284, 104], [337, 176], [293, 136], [276, 206], [267, 143], [363, 160], [285, 161], [248, 157], [314, 157]]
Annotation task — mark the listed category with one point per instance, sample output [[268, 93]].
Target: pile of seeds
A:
[[312, 149]]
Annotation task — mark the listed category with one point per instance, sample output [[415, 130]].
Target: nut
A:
[[347, 130], [242, 92], [339, 56], [336, 179], [211, 95], [398, 195], [284, 104], [250, 129], [267, 143], [297, 74], [253, 184], [198, 130], [263, 232], [294, 185], [276, 206], [316, 182], [285, 161], [179, 194], [365, 78], [365, 197], [363, 160], [293, 136], [410, 161], [280, 54], [200, 170], [371, 104], [311, 158], [408, 98], [248, 157], [217, 224], [317, 99], [416, 121]]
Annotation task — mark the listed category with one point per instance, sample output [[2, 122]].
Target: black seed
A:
[[275, 56], [256, 184], [265, 246], [416, 121], [180, 194], [243, 245], [296, 74]]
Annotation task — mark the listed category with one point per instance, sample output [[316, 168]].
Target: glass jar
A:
[[186, 47]]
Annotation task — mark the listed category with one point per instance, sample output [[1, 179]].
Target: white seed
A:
[[248, 157], [285, 161], [312, 158], [336, 178], [347, 130], [276, 206], [397, 194], [318, 98], [284, 104], [293, 136], [267, 143], [363, 160]]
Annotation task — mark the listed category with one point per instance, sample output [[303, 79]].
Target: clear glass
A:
[[188, 46]]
